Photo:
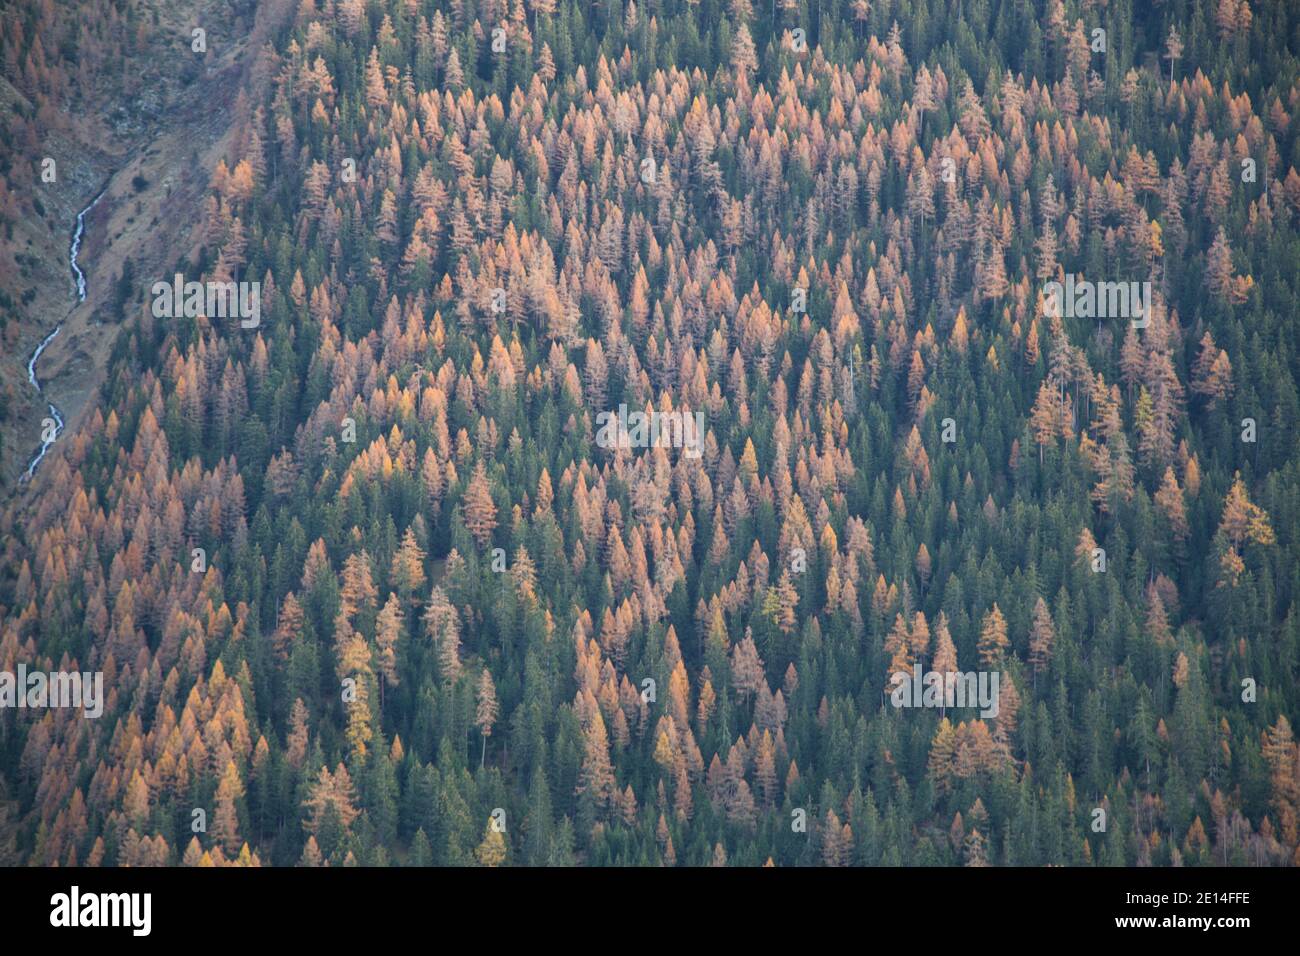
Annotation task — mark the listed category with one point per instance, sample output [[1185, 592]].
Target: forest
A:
[[369, 584]]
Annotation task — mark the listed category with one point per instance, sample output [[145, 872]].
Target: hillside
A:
[[645, 400], [97, 111]]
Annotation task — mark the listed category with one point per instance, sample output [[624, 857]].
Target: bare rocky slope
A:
[[149, 143]]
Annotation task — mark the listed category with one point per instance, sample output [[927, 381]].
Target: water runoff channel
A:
[[49, 436]]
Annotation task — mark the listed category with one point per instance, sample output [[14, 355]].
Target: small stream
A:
[[73, 250]]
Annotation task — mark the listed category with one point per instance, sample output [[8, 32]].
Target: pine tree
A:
[[1169, 499], [407, 572], [1041, 637], [388, 631], [492, 851], [358, 594], [993, 638], [1283, 758], [485, 714], [596, 776], [1242, 519], [744, 60], [480, 511], [442, 625]]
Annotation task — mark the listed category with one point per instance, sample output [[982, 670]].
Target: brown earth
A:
[[155, 175]]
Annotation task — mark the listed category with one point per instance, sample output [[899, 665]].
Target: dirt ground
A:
[[155, 176]]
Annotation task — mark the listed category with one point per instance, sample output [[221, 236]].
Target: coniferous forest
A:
[[378, 581]]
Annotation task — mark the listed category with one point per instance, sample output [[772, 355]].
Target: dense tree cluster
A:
[[432, 621]]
